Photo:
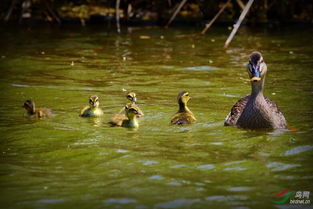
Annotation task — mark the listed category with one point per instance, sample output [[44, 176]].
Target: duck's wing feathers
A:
[[43, 112], [117, 119], [84, 111], [236, 111], [183, 118], [280, 116]]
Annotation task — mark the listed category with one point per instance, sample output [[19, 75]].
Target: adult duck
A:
[[255, 111]]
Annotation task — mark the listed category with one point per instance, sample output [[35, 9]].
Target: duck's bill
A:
[[139, 113], [255, 79]]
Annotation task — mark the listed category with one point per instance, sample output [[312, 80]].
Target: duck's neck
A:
[[183, 107], [93, 107], [257, 88], [133, 122], [32, 110]]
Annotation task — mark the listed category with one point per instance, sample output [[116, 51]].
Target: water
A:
[[69, 162]]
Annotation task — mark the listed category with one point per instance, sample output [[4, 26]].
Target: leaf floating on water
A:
[[144, 37]]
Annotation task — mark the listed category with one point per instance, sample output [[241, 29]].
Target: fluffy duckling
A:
[[34, 112], [255, 111], [184, 115], [131, 112], [131, 96], [93, 110], [121, 114]]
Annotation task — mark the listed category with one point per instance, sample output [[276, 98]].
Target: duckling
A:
[[34, 112], [184, 115], [121, 114], [93, 109], [131, 96], [255, 111], [132, 112]]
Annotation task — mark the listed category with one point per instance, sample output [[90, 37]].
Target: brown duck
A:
[[255, 111], [34, 112], [183, 115]]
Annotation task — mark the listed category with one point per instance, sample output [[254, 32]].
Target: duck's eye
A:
[[90, 100], [187, 95]]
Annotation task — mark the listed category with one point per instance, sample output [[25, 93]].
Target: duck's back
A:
[[43, 112], [236, 111], [279, 118], [117, 119], [276, 117], [183, 118]]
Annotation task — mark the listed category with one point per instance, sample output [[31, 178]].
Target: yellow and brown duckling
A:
[[184, 115], [34, 112], [131, 112], [131, 96], [255, 111], [93, 110], [121, 114]]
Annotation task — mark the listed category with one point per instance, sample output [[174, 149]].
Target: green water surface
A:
[[72, 162]]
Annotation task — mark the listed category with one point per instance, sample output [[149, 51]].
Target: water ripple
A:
[[206, 167], [298, 150], [177, 203], [121, 201], [277, 166]]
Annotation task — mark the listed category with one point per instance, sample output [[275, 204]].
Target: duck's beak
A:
[[255, 79], [256, 73], [134, 99], [139, 113]]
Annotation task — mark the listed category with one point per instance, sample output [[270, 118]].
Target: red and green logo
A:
[[286, 194]]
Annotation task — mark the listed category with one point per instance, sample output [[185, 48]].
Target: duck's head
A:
[[131, 96], [256, 67], [132, 111], [29, 105], [93, 101], [183, 97]]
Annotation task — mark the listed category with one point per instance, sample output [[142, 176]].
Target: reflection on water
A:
[[67, 160]]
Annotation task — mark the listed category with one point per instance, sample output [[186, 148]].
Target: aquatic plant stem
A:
[[176, 12], [215, 17], [236, 26], [117, 13]]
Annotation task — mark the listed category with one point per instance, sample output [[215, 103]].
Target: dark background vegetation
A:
[[153, 11]]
